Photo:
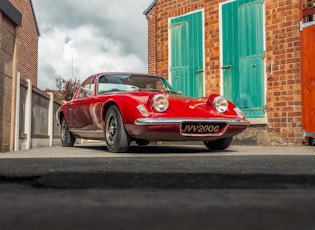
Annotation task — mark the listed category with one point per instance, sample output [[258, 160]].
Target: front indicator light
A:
[[160, 103], [239, 112], [143, 110], [220, 104]]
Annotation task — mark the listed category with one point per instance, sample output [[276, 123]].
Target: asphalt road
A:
[[158, 187]]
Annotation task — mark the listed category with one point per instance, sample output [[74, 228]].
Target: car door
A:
[[79, 115]]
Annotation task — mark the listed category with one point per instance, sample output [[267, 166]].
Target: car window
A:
[[109, 83], [130, 82], [87, 88]]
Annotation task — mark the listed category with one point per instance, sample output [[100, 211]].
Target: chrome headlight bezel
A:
[[221, 104], [160, 103]]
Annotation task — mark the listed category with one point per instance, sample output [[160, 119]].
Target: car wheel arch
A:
[[123, 109], [106, 106]]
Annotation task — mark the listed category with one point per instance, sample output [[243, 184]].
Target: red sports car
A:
[[124, 107]]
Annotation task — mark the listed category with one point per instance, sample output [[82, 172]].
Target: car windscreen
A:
[[131, 82]]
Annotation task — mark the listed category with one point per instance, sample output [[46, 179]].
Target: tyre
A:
[[311, 141], [219, 144], [116, 137], [142, 142], [67, 139]]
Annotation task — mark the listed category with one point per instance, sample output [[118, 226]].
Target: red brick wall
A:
[[151, 17], [283, 92], [284, 84], [27, 62], [158, 38], [27, 55], [7, 41]]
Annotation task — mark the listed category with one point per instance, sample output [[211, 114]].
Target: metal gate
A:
[[308, 69]]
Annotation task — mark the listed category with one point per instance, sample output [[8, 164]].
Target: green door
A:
[[243, 55], [187, 54]]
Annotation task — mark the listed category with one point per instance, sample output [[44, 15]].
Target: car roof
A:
[[126, 73]]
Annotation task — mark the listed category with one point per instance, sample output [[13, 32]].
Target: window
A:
[[87, 88]]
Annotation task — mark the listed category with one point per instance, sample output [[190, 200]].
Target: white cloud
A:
[[83, 37]]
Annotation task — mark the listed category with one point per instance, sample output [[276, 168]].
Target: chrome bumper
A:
[[178, 121]]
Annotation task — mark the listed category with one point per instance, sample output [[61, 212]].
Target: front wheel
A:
[[219, 144], [67, 139], [311, 141], [116, 137]]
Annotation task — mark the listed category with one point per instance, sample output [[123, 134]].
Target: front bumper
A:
[[169, 129], [177, 121]]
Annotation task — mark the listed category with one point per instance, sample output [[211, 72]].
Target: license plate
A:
[[201, 128]]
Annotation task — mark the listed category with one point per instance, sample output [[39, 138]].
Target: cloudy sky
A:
[[82, 37]]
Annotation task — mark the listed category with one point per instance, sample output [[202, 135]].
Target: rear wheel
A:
[[67, 139], [311, 141], [116, 137], [220, 144]]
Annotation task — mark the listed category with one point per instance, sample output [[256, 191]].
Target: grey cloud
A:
[[119, 20], [106, 35], [49, 80]]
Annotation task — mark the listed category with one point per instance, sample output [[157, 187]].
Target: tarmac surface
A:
[[158, 187]]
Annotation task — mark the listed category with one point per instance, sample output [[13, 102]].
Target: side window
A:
[[102, 84], [87, 88]]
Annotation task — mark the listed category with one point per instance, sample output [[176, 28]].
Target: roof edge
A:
[[149, 8], [35, 19], [9, 10]]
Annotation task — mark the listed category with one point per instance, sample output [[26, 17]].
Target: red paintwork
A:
[[308, 81], [85, 116]]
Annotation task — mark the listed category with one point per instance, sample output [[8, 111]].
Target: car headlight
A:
[[160, 103], [220, 104]]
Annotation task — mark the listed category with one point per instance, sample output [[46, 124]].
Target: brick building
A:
[[19, 53], [247, 50]]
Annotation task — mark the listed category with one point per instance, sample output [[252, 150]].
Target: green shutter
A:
[[180, 56], [230, 64], [243, 51], [187, 54]]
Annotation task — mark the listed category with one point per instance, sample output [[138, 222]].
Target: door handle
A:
[[226, 67], [199, 71]]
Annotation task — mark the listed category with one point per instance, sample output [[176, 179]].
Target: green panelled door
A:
[[243, 55], [187, 54]]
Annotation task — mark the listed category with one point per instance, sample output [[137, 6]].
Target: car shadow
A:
[[157, 149]]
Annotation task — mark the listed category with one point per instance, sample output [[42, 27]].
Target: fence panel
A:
[[40, 111], [36, 130]]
